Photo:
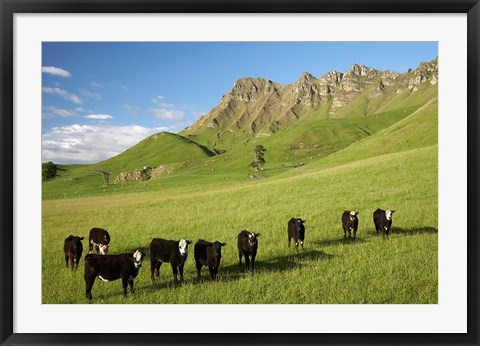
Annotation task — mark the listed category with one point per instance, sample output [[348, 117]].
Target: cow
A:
[[208, 254], [112, 267], [296, 230], [383, 221], [173, 251], [247, 246], [350, 223], [73, 248], [100, 239]]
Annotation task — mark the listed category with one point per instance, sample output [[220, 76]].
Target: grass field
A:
[[329, 270]]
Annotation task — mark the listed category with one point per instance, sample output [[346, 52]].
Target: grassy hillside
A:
[[329, 270]]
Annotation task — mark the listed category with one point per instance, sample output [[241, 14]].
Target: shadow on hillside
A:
[[280, 263], [339, 241], [414, 231]]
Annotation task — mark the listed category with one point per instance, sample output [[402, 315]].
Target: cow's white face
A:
[[103, 249], [137, 259], [183, 246], [353, 215], [252, 238], [388, 214]]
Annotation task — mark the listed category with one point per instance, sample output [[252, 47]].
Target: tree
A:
[[49, 170], [258, 154]]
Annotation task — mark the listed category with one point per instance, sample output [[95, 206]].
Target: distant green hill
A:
[[163, 148]]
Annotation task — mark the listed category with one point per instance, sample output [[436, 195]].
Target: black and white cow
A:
[[112, 267], [208, 254], [383, 221], [350, 223], [100, 239], [296, 230], [173, 251], [73, 248], [247, 246]]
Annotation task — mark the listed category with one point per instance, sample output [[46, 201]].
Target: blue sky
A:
[[98, 99]]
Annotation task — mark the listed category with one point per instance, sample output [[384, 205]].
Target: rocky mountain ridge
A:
[[261, 106]]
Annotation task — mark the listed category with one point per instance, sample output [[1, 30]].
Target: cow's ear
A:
[[223, 244], [144, 254], [393, 211], [357, 212], [257, 234], [81, 238], [304, 221], [189, 241]]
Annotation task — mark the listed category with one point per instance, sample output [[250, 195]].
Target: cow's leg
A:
[[130, 282], [76, 263], [124, 285], [344, 232], [89, 280], [253, 261], [247, 262], [175, 272], [354, 233], [199, 268], [212, 272], [180, 269], [301, 243], [289, 239], [152, 269], [66, 261], [296, 243], [240, 258]]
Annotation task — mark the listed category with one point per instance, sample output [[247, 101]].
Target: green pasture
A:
[[330, 270]]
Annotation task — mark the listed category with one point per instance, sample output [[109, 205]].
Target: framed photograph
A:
[[239, 172]]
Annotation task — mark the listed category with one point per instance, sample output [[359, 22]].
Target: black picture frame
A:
[[10, 7]]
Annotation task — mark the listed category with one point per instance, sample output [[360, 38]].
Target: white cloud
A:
[[96, 84], [169, 114], [158, 99], [91, 94], [99, 116], [52, 111], [167, 111], [56, 71], [91, 143], [63, 93]]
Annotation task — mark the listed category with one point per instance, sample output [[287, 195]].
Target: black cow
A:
[[173, 251], [383, 221], [247, 246], [350, 223], [296, 230], [73, 248], [112, 267], [208, 254], [99, 238]]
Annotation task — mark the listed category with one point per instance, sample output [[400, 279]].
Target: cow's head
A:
[[252, 238], [388, 214], [183, 246], [298, 222], [217, 248], [103, 249], [353, 215], [137, 258], [77, 241]]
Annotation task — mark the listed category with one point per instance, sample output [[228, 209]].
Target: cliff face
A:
[[261, 106]]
